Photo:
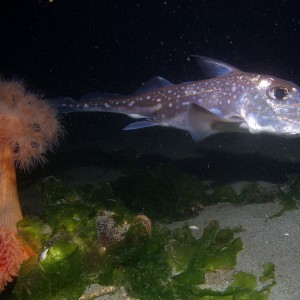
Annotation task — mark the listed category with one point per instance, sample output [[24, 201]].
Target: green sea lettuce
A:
[[166, 264]]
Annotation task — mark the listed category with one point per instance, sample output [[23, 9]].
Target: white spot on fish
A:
[[106, 105], [131, 103], [148, 97], [264, 83], [170, 104], [158, 100], [190, 91], [85, 105], [136, 116], [233, 89], [228, 101]]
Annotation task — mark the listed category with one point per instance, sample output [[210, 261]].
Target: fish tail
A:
[[90, 102], [65, 104]]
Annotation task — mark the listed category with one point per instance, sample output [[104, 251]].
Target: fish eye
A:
[[279, 93]]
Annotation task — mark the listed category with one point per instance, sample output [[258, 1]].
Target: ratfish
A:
[[230, 100]]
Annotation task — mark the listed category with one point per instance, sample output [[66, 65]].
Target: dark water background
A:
[[70, 48]]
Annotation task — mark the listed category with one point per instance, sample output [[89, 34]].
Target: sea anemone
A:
[[12, 253], [28, 128]]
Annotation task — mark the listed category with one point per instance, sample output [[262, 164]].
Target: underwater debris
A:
[[96, 290]]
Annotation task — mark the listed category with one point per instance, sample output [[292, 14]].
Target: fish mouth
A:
[[276, 124], [288, 119]]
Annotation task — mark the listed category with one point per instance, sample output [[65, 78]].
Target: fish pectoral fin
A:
[[202, 123], [140, 124], [237, 125], [213, 68]]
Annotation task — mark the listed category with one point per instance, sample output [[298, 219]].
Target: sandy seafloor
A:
[[273, 240], [265, 239]]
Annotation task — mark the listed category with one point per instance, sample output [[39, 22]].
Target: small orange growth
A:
[[146, 222], [12, 253]]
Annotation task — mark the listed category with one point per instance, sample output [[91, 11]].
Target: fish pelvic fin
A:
[[140, 124]]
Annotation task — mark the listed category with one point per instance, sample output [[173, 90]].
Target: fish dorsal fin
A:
[[152, 84], [213, 68], [203, 123]]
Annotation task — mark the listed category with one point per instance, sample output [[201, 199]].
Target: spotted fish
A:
[[230, 100]]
